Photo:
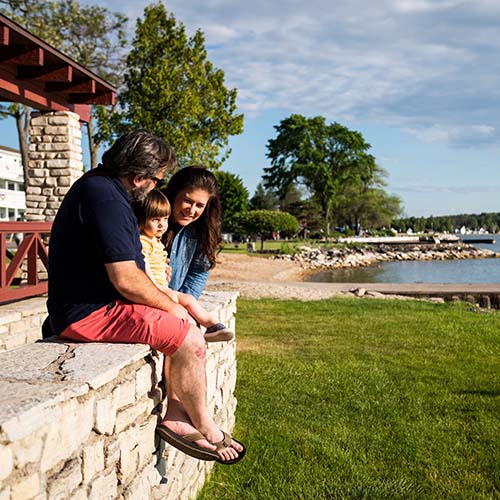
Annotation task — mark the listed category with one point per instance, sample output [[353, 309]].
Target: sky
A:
[[420, 79]]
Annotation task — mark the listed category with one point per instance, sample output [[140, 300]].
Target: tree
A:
[[234, 197], [321, 157], [363, 202], [91, 35], [264, 199], [173, 90], [265, 222]]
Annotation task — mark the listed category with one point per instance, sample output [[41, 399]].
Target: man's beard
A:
[[139, 194]]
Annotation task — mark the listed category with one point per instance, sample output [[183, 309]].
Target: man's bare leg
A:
[[186, 392]]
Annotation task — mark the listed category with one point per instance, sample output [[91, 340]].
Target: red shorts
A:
[[131, 323]]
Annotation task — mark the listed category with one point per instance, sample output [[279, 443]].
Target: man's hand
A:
[[179, 311], [135, 286]]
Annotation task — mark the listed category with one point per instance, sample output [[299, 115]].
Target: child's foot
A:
[[218, 333]]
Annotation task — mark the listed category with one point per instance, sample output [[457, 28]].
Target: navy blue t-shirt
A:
[[95, 225]]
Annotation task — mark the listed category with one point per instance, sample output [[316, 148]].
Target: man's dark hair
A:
[[138, 152]]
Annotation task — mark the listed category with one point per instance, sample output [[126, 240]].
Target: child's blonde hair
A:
[[155, 204]]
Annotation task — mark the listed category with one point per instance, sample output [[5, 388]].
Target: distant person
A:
[[152, 214], [99, 292]]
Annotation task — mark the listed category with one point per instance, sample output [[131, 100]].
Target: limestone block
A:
[[39, 119], [34, 216], [140, 487], [112, 452], [33, 334], [93, 459], [50, 182], [47, 191], [33, 194], [64, 181], [55, 130], [29, 449], [56, 172], [5, 494], [104, 487], [61, 191], [106, 412], [6, 461], [26, 488], [144, 380], [67, 434], [99, 363], [19, 326], [31, 204], [129, 456], [13, 340], [130, 414], [126, 393], [146, 440], [9, 316], [58, 120], [62, 483], [38, 171], [58, 164]]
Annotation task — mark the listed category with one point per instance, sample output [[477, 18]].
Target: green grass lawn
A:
[[365, 399]]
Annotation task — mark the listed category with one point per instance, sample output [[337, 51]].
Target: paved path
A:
[[311, 291]]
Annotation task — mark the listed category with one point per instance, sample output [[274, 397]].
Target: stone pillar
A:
[[55, 162]]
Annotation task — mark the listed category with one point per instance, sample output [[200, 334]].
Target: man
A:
[[98, 290]]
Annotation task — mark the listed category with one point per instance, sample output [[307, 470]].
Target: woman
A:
[[194, 233]]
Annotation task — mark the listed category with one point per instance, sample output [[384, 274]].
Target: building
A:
[[12, 196]]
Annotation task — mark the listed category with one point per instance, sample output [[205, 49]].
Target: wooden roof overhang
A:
[[40, 76]]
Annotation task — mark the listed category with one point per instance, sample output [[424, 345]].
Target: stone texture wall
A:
[[77, 421], [55, 162], [21, 322]]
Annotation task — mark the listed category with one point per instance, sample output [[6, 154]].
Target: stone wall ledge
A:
[[77, 420]]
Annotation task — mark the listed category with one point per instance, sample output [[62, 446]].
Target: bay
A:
[[485, 271]]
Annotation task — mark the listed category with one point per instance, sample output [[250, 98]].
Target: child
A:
[[152, 214]]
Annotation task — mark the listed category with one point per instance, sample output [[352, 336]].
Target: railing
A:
[[32, 249]]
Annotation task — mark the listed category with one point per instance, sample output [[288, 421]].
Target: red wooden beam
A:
[[86, 86], [4, 35], [98, 98], [48, 73], [30, 57]]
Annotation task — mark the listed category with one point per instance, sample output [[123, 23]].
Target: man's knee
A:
[[194, 343]]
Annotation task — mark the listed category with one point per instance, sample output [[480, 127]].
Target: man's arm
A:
[[134, 285]]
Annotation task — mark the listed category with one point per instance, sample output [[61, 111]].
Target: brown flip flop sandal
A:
[[187, 445]]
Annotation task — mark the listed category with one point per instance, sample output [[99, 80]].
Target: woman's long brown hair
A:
[[208, 227]]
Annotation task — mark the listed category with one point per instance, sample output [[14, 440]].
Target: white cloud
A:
[[427, 66]]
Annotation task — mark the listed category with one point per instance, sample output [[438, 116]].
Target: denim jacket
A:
[[189, 271]]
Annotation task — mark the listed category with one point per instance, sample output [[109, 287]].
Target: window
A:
[[11, 186], [12, 214], [20, 187], [3, 212]]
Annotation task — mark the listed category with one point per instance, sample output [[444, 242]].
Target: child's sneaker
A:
[[218, 333]]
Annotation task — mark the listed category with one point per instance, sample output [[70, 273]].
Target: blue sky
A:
[[419, 78]]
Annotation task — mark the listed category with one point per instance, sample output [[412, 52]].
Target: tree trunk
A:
[[262, 242], [22, 117], [327, 220], [93, 147]]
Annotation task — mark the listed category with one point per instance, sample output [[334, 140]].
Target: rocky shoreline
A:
[[311, 259]]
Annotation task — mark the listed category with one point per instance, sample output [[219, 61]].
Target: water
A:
[[447, 271]]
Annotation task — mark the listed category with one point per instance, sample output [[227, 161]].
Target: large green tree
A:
[[172, 89], [364, 203], [265, 222], [90, 34], [318, 155], [233, 195]]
